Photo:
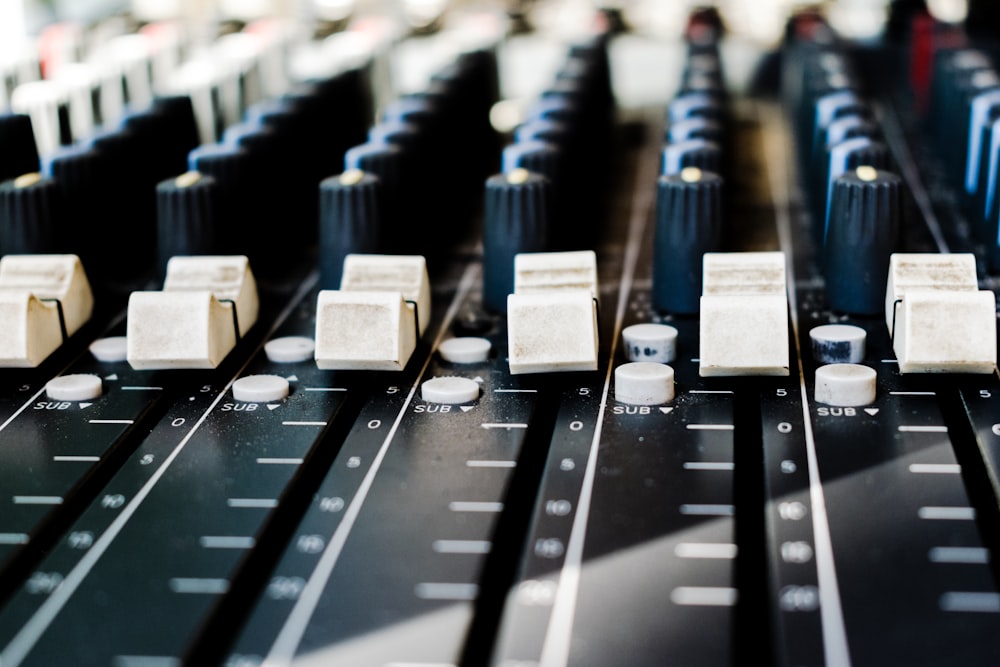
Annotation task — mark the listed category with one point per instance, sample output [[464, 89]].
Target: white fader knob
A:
[[743, 328], [644, 383], [845, 385], [938, 318], [206, 305], [43, 299], [552, 314], [373, 322]]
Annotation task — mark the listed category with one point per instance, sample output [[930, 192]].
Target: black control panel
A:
[[743, 409]]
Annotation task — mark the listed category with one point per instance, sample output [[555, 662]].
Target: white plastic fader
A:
[[206, 305], [33, 290], [552, 314], [939, 319], [744, 316], [374, 320]]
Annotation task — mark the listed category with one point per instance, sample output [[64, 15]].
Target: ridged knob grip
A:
[[28, 215]]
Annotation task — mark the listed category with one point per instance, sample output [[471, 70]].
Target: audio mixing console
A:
[[449, 337]]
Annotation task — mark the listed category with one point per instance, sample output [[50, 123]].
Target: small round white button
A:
[[451, 390], [838, 343], [113, 348], [83, 387], [289, 349], [845, 385], [465, 350], [644, 383], [650, 342], [260, 388]]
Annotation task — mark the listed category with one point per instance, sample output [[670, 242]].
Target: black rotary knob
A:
[[826, 110], [695, 105], [28, 217], [862, 234], [841, 158], [162, 135], [235, 179], [266, 165], [349, 221], [538, 156], [178, 114], [397, 132], [700, 153], [694, 128], [85, 182], [688, 224], [131, 211], [19, 154], [388, 163], [547, 159], [186, 221], [839, 131], [516, 221]]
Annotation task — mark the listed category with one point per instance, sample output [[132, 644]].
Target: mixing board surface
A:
[[457, 337]]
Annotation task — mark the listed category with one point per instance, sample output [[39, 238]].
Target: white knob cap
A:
[[450, 390], [260, 388], [289, 349], [644, 383], [847, 385], [111, 349], [838, 343], [74, 388], [465, 350], [650, 342]]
